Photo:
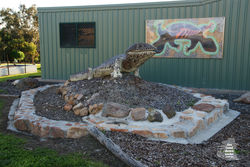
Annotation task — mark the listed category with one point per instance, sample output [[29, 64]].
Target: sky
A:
[[51, 3]]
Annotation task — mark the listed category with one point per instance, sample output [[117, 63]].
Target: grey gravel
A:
[[50, 105], [131, 91], [159, 153]]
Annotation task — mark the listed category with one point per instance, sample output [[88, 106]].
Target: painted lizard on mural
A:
[[134, 57], [186, 31]]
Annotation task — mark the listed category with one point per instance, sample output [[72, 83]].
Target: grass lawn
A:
[[19, 76], [13, 154]]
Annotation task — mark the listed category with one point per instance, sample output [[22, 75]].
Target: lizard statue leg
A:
[[136, 73]]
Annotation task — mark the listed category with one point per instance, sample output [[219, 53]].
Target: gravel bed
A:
[[8, 88], [131, 91], [158, 153], [50, 105]]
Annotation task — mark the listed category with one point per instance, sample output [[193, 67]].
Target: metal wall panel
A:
[[119, 26]]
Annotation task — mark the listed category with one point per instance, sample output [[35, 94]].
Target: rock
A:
[[169, 111], [96, 108], [69, 99], [64, 93], [92, 97], [15, 82], [116, 110], [79, 96], [27, 83], [84, 112], [77, 132], [56, 132], [66, 83], [77, 108], [204, 107], [138, 114], [155, 116], [245, 98], [67, 107], [23, 125]]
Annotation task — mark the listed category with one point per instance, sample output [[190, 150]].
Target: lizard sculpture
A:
[[134, 57]]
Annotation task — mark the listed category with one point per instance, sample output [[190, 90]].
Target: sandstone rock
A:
[[78, 106], [66, 83], [116, 110], [96, 108], [178, 133], [27, 83], [155, 116], [69, 99], [77, 112], [67, 107], [169, 111], [79, 97], [204, 107], [56, 132], [90, 108], [145, 133], [64, 93], [77, 132], [245, 98], [23, 125], [138, 114], [84, 112]]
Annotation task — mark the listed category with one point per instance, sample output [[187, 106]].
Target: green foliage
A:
[[12, 153], [19, 55], [191, 103], [19, 31]]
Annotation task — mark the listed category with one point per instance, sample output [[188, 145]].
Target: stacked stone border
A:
[[189, 122]]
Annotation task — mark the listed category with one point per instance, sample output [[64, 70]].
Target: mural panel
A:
[[187, 38]]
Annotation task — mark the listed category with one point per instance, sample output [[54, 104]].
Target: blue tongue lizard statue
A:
[[134, 57]]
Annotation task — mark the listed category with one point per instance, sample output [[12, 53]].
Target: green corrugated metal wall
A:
[[119, 26]]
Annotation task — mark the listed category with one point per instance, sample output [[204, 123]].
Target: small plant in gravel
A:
[[191, 103], [178, 103], [13, 153], [157, 163]]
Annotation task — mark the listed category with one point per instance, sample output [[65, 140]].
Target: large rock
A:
[[138, 114], [116, 110], [169, 111], [155, 116], [27, 83], [245, 98], [204, 107]]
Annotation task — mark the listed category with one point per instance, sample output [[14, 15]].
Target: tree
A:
[[19, 32], [30, 51], [18, 55]]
